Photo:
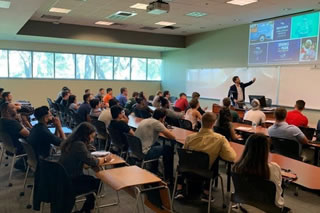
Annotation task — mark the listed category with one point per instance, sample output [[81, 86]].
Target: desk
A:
[[308, 175]]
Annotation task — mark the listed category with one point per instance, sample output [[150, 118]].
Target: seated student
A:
[[122, 97], [84, 109], [156, 99], [142, 106], [108, 96], [132, 101], [170, 113], [100, 94], [60, 93], [65, 98], [224, 125], [255, 115], [95, 108], [206, 140], [87, 91], [192, 114], [196, 95], [166, 95], [72, 102], [295, 117], [119, 120], [254, 162], [8, 98], [282, 129], [105, 115], [182, 102], [40, 136], [227, 104], [74, 155], [148, 132], [1, 99]]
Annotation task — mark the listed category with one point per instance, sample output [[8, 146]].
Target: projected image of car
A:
[[261, 32]]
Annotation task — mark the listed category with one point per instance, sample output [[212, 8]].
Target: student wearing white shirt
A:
[[255, 115]]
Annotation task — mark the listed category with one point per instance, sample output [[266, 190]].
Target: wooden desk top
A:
[[308, 175], [249, 129], [127, 176]]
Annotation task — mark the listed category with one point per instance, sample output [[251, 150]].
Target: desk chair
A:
[[172, 121], [102, 135], [225, 132], [288, 148], [189, 164], [151, 97], [32, 164], [308, 132], [119, 141], [247, 122], [141, 113], [185, 124], [255, 192], [176, 109], [7, 145]]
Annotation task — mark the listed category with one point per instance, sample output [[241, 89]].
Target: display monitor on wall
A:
[[288, 40]]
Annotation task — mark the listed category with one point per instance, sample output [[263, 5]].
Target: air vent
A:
[[51, 17], [170, 27], [148, 28], [121, 15]]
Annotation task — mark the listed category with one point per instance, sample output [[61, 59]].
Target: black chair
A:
[[119, 141], [255, 192], [308, 132], [223, 131], [135, 150], [288, 148], [172, 121], [102, 135], [197, 163], [141, 113], [8, 147], [32, 162], [247, 122], [151, 97], [176, 109], [185, 124]]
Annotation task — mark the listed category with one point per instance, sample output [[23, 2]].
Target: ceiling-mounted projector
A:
[[158, 7]]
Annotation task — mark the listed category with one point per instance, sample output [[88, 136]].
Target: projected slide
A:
[[290, 40]]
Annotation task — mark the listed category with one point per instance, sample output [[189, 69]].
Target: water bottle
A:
[[254, 126]]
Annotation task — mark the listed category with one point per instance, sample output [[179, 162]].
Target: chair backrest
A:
[[172, 121], [50, 102], [141, 113], [151, 97], [247, 122], [7, 142], [195, 162], [288, 148], [176, 109], [223, 131], [101, 127], [254, 191], [134, 147], [308, 132], [118, 138], [32, 158], [185, 124]]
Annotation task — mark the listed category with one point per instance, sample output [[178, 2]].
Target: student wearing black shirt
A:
[[119, 120], [11, 126], [84, 109], [40, 136], [75, 154]]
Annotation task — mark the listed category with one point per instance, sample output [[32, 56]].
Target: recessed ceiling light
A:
[[236, 19], [196, 14], [59, 10], [165, 23], [107, 23], [241, 2], [5, 4], [139, 6]]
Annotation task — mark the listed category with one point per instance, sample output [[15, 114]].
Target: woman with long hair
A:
[[192, 114], [74, 155], [224, 125], [254, 162]]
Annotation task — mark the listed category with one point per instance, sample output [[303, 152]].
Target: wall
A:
[[221, 48], [37, 91]]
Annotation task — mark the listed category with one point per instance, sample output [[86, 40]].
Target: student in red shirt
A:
[[182, 102], [295, 117]]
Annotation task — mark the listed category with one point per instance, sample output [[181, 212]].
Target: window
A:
[[121, 68], [43, 65], [138, 69], [104, 67], [3, 63], [20, 64], [154, 69], [85, 67], [64, 64]]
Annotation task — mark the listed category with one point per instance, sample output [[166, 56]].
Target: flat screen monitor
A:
[[260, 98]]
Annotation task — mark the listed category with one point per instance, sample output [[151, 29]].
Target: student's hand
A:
[[253, 80], [56, 122]]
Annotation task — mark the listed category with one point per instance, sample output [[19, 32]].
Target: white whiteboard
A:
[[301, 82], [215, 83]]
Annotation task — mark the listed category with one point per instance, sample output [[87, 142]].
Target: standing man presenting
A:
[[237, 91]]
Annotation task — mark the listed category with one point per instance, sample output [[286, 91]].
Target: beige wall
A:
[[37, 91]]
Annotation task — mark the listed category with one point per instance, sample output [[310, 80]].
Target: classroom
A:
[[159, 106]]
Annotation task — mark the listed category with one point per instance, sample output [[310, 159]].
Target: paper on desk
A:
[[242, 128]]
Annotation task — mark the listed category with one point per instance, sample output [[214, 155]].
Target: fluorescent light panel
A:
[[59, 10], [139, 6], [5, 4], [196, 14], [241, 2], [165, 23], [104, 23]]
